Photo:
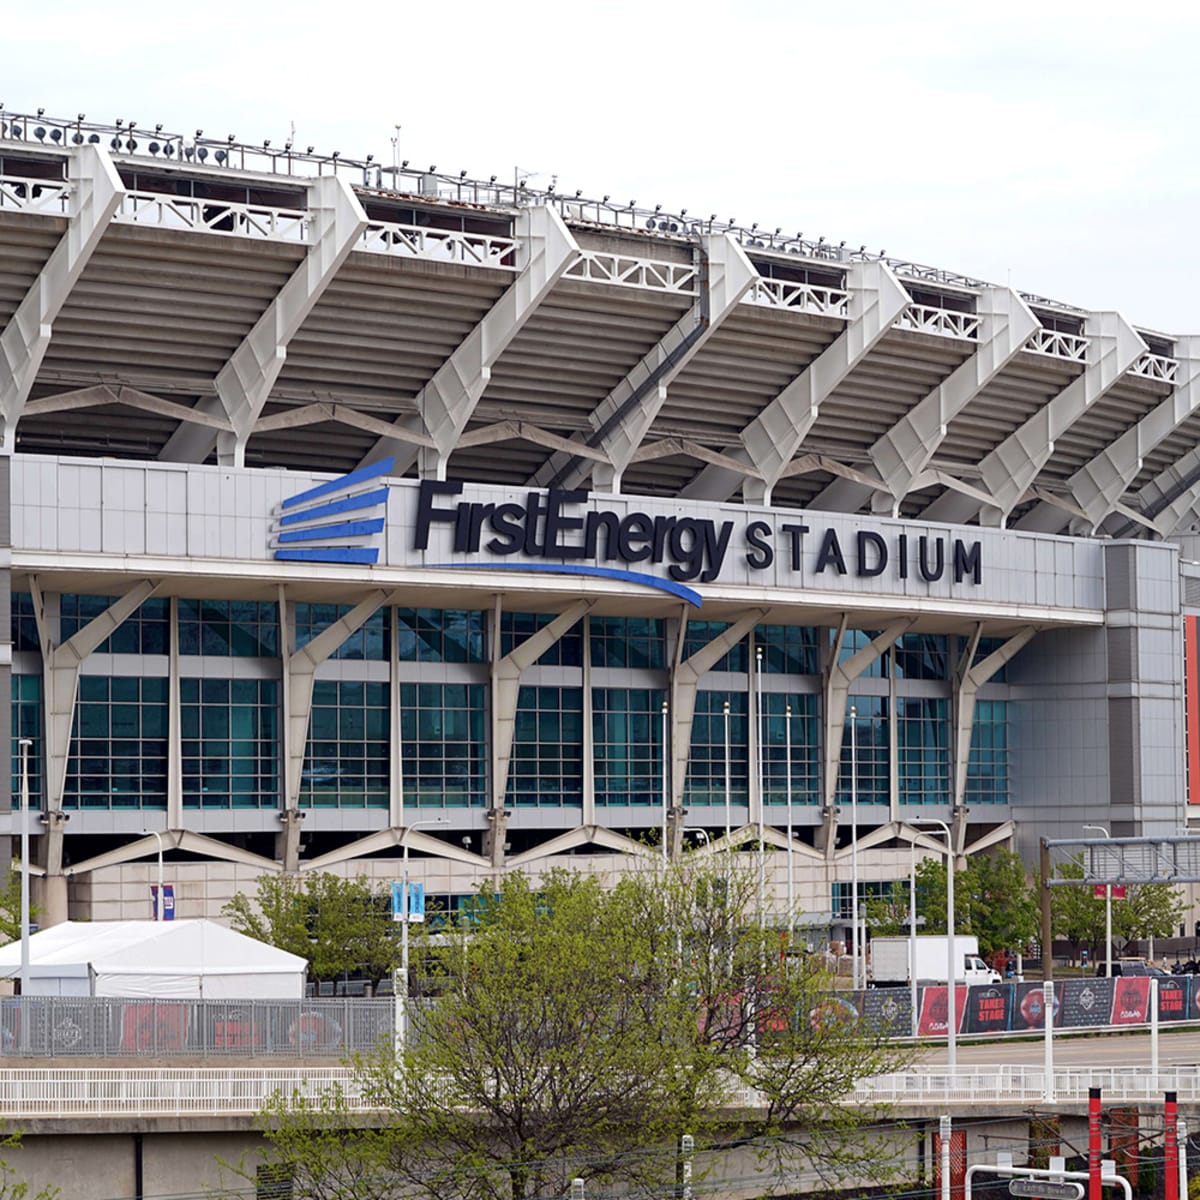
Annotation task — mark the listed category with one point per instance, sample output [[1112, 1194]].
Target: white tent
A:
[[170, 960]]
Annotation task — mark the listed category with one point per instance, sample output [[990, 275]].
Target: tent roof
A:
[[149, 948]]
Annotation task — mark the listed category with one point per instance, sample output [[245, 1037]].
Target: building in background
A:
[[352, 507]]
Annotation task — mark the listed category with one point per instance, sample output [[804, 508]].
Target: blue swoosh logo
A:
[[651, 581]]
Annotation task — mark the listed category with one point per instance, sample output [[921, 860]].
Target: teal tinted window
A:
[[230, 743], [24, 627], [628, 739], [442, 733], [805, 734], [517, 627], [987, 767], [705, 782], [865, 761], [787, 649], [923, 749], [229, 628], [547, 755], [146, 631], [853, 642], [868, 890], [27, 723], [440, 635], [118, 744], [346, 757], [627, 642], [699, 633], [922, 656], [368, 643]]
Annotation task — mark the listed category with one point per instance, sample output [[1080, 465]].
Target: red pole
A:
[[1094, 1192], [1171, 1148]]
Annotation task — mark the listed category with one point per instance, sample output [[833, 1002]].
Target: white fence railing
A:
[[1053, 344], [50, 197], [214, 216], [439, 245], [624, 270], [1156, 366], [941, 322], [180, 1091], [807, 297]]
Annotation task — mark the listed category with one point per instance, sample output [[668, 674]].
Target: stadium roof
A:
[[193, 299]]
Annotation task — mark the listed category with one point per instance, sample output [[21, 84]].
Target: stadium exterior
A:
[[348, 507]]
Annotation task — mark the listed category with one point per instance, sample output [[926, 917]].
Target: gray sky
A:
[[1050, 145]]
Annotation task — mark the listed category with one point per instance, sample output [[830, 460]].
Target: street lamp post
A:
[[791, 882], [951, 956], [728, 783], [1107, 912], [666, 781], [25, 744], [158, 898], [912, 934], [762, 785], [400, 982], [854, 844]]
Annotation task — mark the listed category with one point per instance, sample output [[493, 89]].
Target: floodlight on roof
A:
[[462, 174], [404, 165], [41, 113]]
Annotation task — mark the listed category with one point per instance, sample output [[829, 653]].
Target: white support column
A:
[[967, 682], [588, 816], [96, 192], [244, 383], [1013, 466], [684, 684], [623, 418], [447, 401], [506, 688], [902, 453], [838, 678], [771, 440], [1098, 486], [299, 674]]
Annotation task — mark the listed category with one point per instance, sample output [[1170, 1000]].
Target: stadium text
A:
[[551, 525]]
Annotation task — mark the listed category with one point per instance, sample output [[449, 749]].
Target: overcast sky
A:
[[1049, 145]]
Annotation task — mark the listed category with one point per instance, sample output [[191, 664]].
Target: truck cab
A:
[[975, 970]]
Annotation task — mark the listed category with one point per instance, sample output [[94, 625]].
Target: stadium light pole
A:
[[951, 957], [158, 899], [1107, 912], [400, 982], [25, 744]]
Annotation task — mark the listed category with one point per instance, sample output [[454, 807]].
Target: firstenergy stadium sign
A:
[[570, 531]]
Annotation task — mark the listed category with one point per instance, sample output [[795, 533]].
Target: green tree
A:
[[10, 906], [1148, 910], [12, 1188], [338, 925], [581, 1030]]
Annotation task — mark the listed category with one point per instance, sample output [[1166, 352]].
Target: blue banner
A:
[[416, 902]]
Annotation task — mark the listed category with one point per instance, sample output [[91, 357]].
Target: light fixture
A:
[[462, 174]]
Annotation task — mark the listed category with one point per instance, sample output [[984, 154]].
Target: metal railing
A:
[[27, 1092], [214, 216], [1156, 366], [1053, 344], [942, 322], [105, 1027], [805, 297], [49, 197], [626, 270], [440, 245]]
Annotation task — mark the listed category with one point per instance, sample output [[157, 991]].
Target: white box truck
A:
[[890, 957]]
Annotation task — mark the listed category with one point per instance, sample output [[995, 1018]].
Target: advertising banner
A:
[[1131, 1001], [887, 1009], [935, 1010], [1028, 1007], [989, 1008], [1086, 1001], [1173, 998]]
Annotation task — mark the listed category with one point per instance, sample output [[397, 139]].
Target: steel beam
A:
[[901, 454], [1098, 486], [1012, 467], [621, 421], [446, 403], [96, 192], [771, 440], [244, 383]]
